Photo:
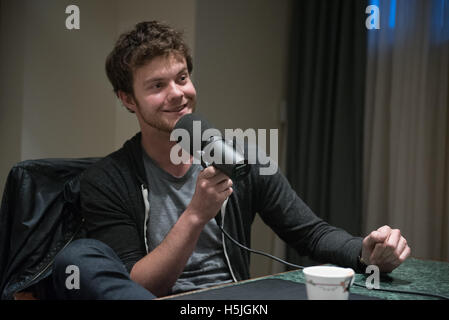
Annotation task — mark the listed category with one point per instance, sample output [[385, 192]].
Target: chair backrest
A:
[[39, 215]]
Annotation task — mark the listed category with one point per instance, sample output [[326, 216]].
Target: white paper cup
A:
[[328, 283]]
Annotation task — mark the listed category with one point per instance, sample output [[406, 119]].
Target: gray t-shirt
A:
[[169, 196]]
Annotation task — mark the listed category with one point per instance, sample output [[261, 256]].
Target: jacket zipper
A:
[[147, 210]]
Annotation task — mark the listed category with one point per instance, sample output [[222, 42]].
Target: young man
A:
[[150, 222]]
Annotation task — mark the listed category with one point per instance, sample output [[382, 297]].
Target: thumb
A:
[[373, 238], [208, 172], [379, 236]]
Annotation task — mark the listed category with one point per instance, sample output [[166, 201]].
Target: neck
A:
[[157, 145]]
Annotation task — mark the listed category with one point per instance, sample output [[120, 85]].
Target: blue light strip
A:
[[392, 16], [440, 21]]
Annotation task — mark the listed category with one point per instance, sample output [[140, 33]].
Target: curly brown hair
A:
[[133, 49]]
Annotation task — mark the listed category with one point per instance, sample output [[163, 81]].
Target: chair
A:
[[39, 216]]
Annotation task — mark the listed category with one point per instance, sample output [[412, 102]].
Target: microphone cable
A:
[[259, 252], [433, 295]]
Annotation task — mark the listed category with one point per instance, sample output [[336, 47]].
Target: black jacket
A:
[[115, 207], [39, 216]]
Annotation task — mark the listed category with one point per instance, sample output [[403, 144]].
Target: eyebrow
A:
[[183, 70]]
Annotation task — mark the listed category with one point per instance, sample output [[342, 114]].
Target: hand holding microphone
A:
[[223, 165], [212, 189]]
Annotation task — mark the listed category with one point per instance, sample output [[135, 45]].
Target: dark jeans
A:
[[89, 269]]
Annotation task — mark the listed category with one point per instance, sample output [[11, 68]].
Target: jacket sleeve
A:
[[109, 216], [282, 209]]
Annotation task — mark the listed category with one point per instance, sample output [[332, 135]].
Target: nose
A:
[[175, 93]]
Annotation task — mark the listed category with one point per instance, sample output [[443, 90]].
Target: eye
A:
[[157, 85], [183, 78]]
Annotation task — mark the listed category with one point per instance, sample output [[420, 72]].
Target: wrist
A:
[[195, 217]]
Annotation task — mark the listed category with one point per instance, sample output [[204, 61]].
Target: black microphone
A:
[[213, 150]]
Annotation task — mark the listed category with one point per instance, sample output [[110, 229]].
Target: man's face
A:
[[163, 92]]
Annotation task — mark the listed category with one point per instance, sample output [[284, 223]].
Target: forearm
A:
[[334, 245], [159, 269], [291, 218]]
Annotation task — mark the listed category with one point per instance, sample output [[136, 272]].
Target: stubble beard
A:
[[160, 123]]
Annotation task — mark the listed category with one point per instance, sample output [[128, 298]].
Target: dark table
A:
[[413, 275]]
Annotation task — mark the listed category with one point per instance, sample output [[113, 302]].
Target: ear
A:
[[128, 100]]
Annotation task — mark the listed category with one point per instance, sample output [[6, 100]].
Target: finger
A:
[[213, 174], [219, 178], [379, 239], [384, 231], [209, 172], [381, 254], [394, 257], [405, 254], [225, 184], [393, 239], [376, 255], [401, 246], [396, 262], [391, 244], [228, 192], [372, 239]]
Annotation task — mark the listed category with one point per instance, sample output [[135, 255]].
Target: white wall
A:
[[67, 105], [56, 101]]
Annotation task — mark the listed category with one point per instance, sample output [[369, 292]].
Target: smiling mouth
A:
[[178, 109]]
